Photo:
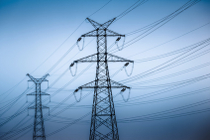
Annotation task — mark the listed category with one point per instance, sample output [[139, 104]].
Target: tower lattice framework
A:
[[103, 118], [39, 129]]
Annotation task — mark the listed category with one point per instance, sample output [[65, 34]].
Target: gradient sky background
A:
[[30, 31]]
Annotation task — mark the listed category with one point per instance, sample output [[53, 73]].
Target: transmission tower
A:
[[103, 119], [39, 130]]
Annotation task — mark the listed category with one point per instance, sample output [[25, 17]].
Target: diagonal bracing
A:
[[103, 118]]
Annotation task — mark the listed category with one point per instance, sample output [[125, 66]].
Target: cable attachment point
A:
[[78, 40], [80, 94], [126, 64], [71, 65], [121, 92], [116, 42]]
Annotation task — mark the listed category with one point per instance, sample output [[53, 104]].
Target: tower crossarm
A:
[[110, 58], [114, 84], [34, 107], [114, 58], [34, 93], [90, 34], [97, 32], [89, 58], [112, 33]]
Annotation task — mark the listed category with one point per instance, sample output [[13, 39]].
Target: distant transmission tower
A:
[[103, 119], [39, 130]]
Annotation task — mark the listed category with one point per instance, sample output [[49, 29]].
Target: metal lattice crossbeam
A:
[[113, 84], [110, 58]]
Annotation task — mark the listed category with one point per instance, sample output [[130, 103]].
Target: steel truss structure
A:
[[39, 130], [103, 119]]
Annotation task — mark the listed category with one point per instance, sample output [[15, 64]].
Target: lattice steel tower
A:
[[103, 119], [39, 130]]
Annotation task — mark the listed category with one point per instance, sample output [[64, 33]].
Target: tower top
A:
[[97, 25]]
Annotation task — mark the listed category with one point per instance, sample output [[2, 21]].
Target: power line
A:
[[156, 25], [103, 112], [200, 45], [170, 40], [100, 8], [131, 8], [58, 47]]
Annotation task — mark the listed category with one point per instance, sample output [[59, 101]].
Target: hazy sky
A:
[[31, 31]]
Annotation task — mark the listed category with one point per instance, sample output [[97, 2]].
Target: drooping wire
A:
[[100, 8], [154, 26], [179, 62], [70, 49], [132, 102], [68, 125], [12, 104], [11, 89], [168, 111], [171, 61], [78, 100], [186, 82], [72, 57], [21, 110], [14, 127], [129, 74], [166, 117], [131, 8], [80, 49], [147, 32], [70, 68], [169, 40], [122, 46], [73, 122], [159, 114], [121, 93], [175, 74], [189, 3], [68, 38], [60, 45]]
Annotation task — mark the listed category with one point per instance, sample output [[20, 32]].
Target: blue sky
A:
[[30, 31]]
